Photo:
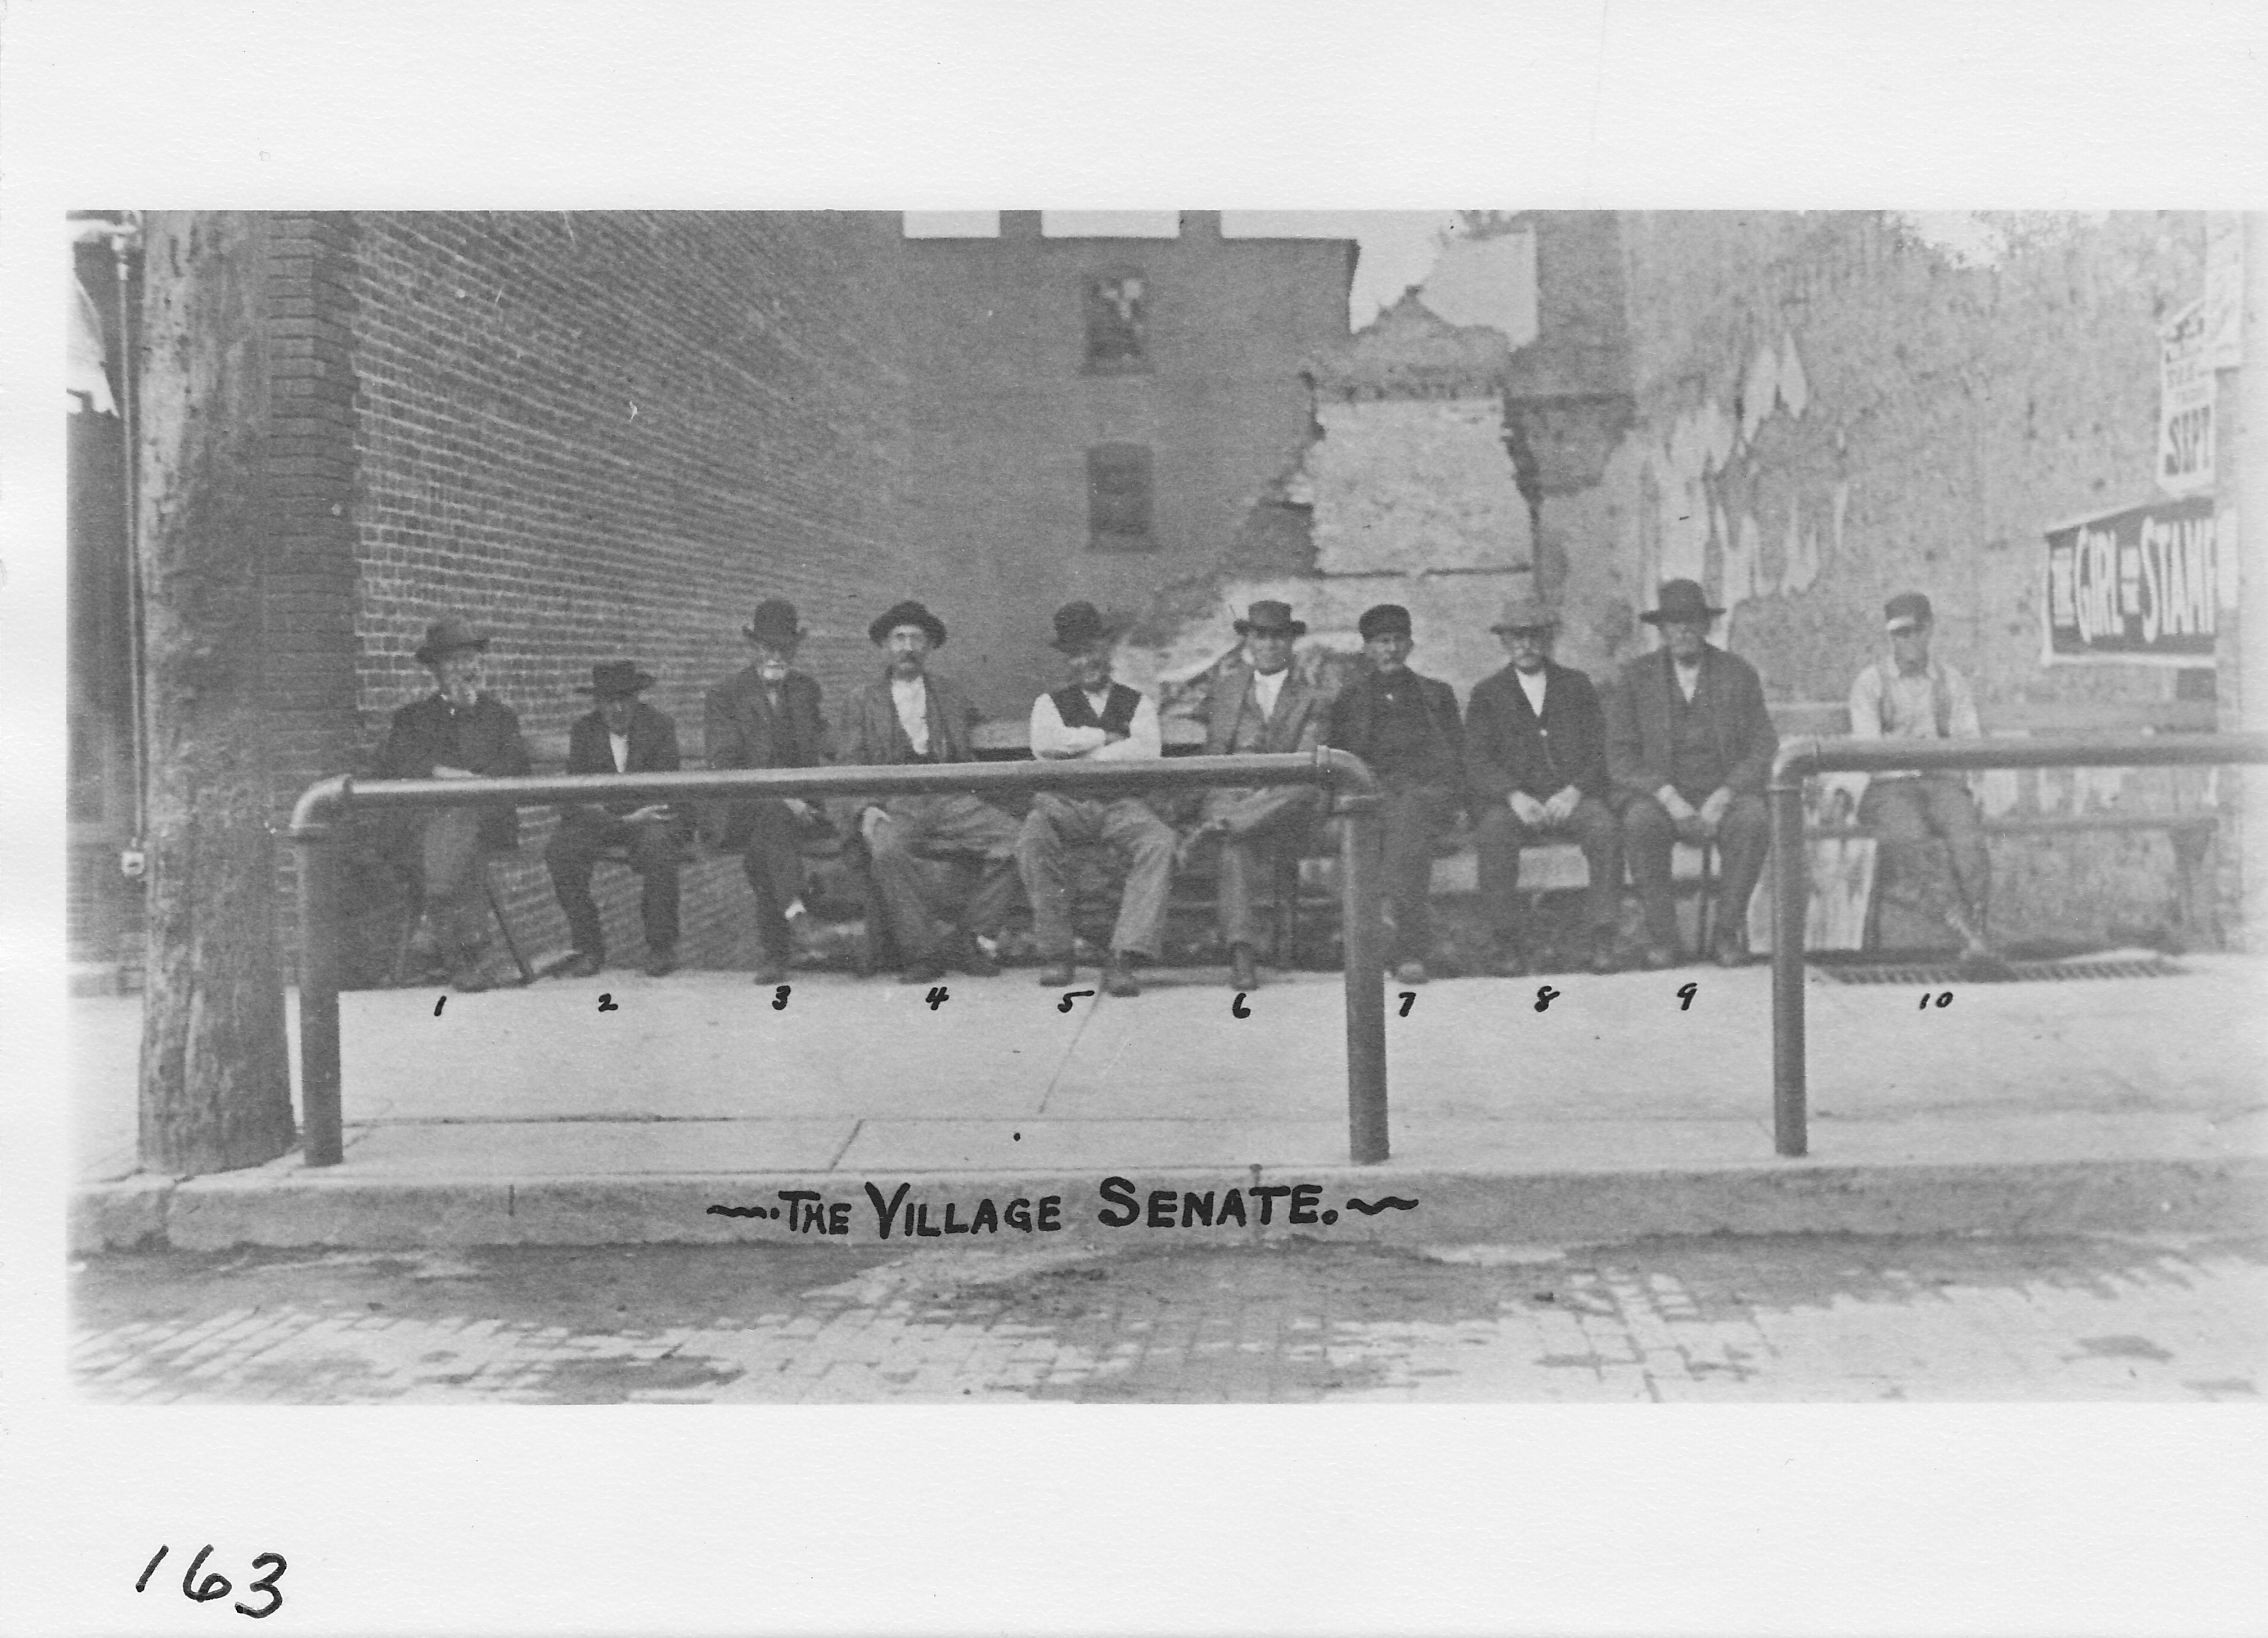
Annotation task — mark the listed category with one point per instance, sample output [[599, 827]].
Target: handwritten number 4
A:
[[937, 997]]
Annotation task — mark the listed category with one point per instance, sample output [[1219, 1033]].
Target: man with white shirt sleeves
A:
[[1256, 703], [908, 715], [1535, 757], [1910, 696], [1099, 720], [623, 735]]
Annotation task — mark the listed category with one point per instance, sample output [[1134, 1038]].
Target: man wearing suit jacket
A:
[[458, 732], [1256, 703], [767, 715], [623, 735], [908, 715], [1536, 755], [1689, 745], [1405, 727]]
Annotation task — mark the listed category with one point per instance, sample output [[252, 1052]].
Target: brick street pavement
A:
[[1817, 1318]]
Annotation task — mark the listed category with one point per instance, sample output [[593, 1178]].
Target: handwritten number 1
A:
[[151, 1570]]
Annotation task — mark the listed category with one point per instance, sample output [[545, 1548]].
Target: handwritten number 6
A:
[[214, 1586], [1237, 1009], [266, 1584]]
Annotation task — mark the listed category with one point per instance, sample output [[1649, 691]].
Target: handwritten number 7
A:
[[1409, 1000]]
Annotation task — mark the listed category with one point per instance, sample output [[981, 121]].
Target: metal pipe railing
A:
[[315, 814], [1800, 758]]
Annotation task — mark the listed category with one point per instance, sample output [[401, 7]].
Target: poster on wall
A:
[[2185, 403], [2224, 290], [2142, 584]]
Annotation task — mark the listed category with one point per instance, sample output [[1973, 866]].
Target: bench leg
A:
[[487, 889]]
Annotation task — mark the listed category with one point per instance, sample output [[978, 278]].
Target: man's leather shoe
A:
[[1506, 961], [1243, 971], [470, 980], [1603, 958], [1732, 951], [1659, 957], [1058, 975], [1118, 978], [928, 970], [770, 970], [660, 963], [967, 954], [1409, 972], [582, 964]]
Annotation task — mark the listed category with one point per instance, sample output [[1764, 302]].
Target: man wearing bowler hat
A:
[[1689, 745], [1256, 703], [1535, 752], [1097, 720], [458, 732], [623, 735], [767, 715], [1908, 696], [907, 715], [1405, 727]]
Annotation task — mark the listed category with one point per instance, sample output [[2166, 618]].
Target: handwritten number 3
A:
[[266, 1584]]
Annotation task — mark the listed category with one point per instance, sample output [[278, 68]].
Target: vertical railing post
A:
[[1790, 905], [1363, 936], [319, 994]]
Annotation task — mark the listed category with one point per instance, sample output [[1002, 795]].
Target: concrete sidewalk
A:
[[533, 1115]]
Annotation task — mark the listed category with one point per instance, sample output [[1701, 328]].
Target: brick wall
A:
[[597, 435]]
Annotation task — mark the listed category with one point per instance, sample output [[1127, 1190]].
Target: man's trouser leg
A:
[[1499, 836], [1744, 839], [570, 855], [653, 855], [1055, 824], [1258, 823], [1414, 815], [1953, 814], [454, 904], [1897, 812], [1593, 828], [894, 867], [1647, 837], [969, 828], [1147, 844], [773, 864]]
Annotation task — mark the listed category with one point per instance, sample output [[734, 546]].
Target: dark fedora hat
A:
[[907, 612], [1080, 626], [447, 637], [773, 622], [1269, 616], [1680, 599], [612, 679], [1382, 620]]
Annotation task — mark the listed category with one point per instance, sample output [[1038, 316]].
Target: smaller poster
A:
[[2141, 584], [2185, 404], [2224, 290]]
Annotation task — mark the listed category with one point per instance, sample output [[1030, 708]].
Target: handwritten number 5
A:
[[266, 1584]]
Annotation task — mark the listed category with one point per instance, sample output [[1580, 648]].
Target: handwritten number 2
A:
[[266, 1584]]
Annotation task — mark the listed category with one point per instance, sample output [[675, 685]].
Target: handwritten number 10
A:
[[1944, 997], [218, 1585]]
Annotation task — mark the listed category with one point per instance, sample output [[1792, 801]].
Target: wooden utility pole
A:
[[216, 1090], [2251, 508]]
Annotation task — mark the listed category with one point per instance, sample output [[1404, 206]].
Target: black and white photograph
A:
[[799, 802]]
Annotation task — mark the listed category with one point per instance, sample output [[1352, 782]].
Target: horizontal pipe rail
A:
[[1799, 758], [319, 808]]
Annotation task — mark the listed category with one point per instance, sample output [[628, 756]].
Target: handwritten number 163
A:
[[217, 1586]]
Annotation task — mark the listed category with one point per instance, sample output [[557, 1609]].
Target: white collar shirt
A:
[[1532, 685], [620, 745], [1266, 686], [912, 701]]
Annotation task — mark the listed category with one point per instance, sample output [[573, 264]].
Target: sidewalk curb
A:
[[286, 1205]]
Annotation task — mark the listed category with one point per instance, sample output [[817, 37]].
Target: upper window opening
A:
[[1118, 321]]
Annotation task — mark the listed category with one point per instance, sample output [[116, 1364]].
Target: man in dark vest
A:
[[767, 715], [1255, 702], [458, 732], [1536, 751], [908, 715], [623, 735], [1405, 727], [1689, 746], [1098, 721]]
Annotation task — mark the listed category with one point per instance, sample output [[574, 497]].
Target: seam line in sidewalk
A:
[[835, 1159]]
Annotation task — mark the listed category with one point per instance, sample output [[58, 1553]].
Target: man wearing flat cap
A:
[[909, 715], [1535, 755], [1689, 746], [623, 735], [1256, 703], [1405, 727], [458, 732], [767, 715], [1095, 719], [1909, 695]]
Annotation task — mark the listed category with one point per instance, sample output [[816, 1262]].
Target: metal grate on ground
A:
[[2011, 973]]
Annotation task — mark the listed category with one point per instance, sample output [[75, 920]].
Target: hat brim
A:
[[1663, 617], [637, 685], [776, 634], [880, 631], [1296, 628], [426, 655], [1100, 639], [1550, 623], [1904, 622]]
